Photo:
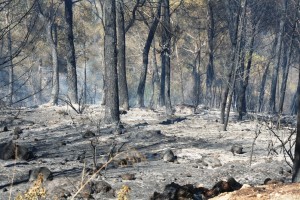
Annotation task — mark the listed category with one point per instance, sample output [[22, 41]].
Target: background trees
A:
[[240, 55]]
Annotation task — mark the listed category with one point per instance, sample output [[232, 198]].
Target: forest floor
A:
[[63, 142]]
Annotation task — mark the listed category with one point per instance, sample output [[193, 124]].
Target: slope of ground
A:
[[58, 137]]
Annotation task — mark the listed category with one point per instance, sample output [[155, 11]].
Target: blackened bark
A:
[[70, 49], [165, 55], [123, 89], [285, 67], [245, 74], [51, 33], [287, 54], [10, 62], [272, 99], [52, 36], [181, 76], [233, 25], [264, 77], [210, 66], [296, 163], [155, 81], [110, 58], [85, 75], [196, 79], [242, 4], [142, 82], [162, 81]]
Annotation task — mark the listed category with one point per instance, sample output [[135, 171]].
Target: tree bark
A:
[[142, 82], [123, 89], [181, 76], [264, 78], [155, 81], [52, 36], [285, 67], [241, 69], [296, 163], [70, 49], [85, 75], [245, 74], [196, 79], [287, 54], [166, 53], [210, 66], [272, 99], [238, 51], [51, 33], [112, 115], [233, 25], [10, 62]]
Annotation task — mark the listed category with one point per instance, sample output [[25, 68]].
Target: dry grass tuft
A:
[[36, 192], [124, 192]]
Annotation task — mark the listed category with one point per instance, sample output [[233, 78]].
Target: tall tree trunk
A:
[[294, 104], [155, 81], [245, 75], [296, 164], [10, 62], [264, 77], [162, 81], [123, 89], [40, 80], [142, 82], [233, 25], [85, 76], [272, 99], [70, 49], [1, 52], [240, 93], [104, 90], [287, 54], [166, 53], [181, 76], [210, 66], [196, 79], [247, 72], [285, 67], [237, 57], [110, 58], [52, 37]]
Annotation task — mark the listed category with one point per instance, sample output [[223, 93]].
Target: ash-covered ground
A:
[[69, 144]]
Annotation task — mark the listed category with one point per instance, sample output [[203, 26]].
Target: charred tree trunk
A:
[[238, 56], [242, 107], [70, 49], [264, 77], [233, 24], [123, 89], [181, 76], [285, 67], [196, 79], [110, 58], [10, 62], [84, 75], [155, 81], [51, 33], [210, 67], [52, 36], [272, 99], [296, 163], [165, 55], [287, 54], [142, 82]]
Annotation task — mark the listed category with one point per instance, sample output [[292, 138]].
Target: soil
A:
[[63, 141]]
